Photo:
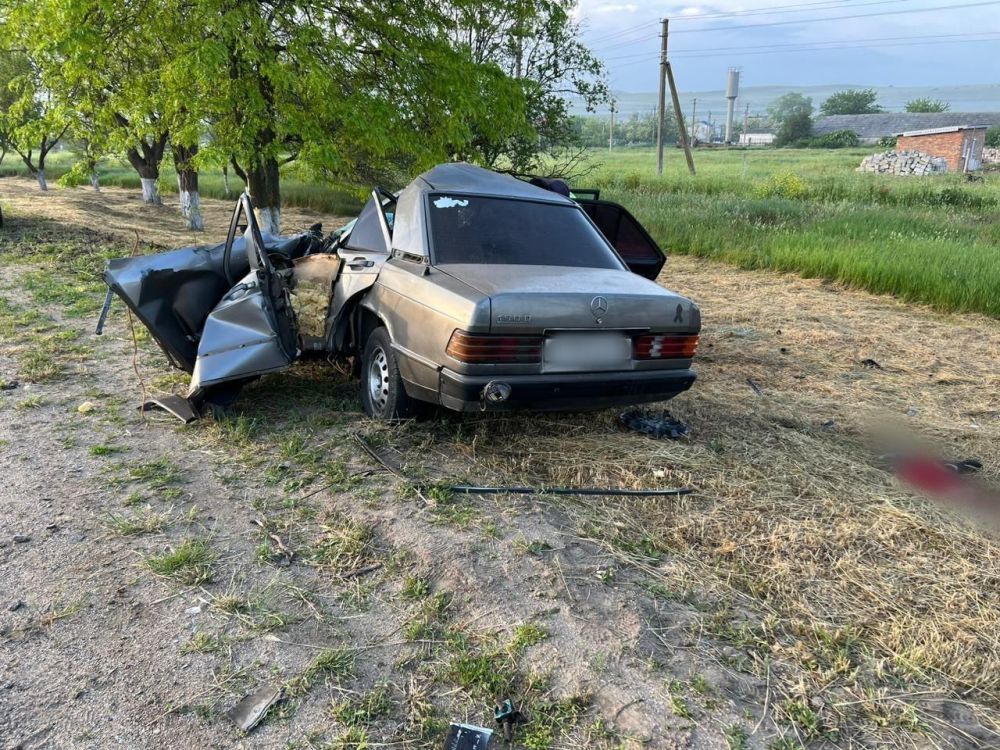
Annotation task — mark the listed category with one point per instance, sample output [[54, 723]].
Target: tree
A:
[[103, 62], [795, 130], [993, 137], [924, 104], [536, 44], [787, 106], [31, 117], [852, 102]]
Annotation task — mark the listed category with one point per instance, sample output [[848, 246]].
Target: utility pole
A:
[[746, 120], [611, 130], [662, 100], [692, 136], [667, 78]]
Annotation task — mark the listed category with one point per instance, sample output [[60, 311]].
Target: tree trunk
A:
[[187, 185], [42, 183], [225, 179], [150, 192], [263, 181], [147, 163], [95, 181]]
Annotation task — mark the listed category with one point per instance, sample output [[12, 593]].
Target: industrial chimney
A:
[[732, 91]]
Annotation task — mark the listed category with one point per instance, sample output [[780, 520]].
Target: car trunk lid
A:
[[544, 298]]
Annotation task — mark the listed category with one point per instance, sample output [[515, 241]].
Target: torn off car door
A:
[[252, 330]]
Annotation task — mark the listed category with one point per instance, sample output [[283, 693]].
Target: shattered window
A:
[[474, 229]]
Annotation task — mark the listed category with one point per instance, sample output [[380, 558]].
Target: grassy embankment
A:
[[933, 240]]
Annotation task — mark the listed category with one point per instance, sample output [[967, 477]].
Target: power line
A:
[[840, 18], [753, 51], [817, 45], [773, 10], [804, 8]]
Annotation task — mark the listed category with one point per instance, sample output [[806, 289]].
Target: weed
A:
[[527, 635], [344, 545], [148, 523], [105, 449], [189, 563], [359, 712], [203, 643], [334, 664], [416, 587], [736, 737]]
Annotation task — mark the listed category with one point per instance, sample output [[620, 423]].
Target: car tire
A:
[[382, 393]]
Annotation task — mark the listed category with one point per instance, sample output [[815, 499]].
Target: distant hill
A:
[[970, 98]]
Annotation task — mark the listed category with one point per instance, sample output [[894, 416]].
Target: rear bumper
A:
[[564, 391]]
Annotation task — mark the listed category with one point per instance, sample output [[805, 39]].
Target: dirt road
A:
[[152, 575]]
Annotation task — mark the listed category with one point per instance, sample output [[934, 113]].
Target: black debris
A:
[[871, 364], [756, 388], [15, 605], [655, 423], [8, 385], [21, 538], [507, 715], [964, 465]]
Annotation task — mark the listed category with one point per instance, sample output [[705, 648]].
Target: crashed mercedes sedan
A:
[[469, 289]]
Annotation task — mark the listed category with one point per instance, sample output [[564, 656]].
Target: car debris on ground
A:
[[249, 712], [468, 289]]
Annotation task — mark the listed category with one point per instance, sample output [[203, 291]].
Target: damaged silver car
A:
[[469, 289]]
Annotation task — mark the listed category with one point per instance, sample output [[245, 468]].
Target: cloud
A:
[[608, 8]]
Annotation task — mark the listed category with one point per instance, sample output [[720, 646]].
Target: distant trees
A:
[[32, 120], [993, 137], [789, 105], [925, 104], [852, 102], [794, 130]]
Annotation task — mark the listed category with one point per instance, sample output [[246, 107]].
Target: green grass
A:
[[932, 240], [189, 563]]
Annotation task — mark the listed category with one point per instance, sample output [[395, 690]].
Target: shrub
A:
[[784, 185], [886, 141], [836, 139], [993, 137]]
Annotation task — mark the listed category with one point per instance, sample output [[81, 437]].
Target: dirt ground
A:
[[152, 574]]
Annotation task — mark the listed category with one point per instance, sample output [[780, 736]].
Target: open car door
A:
[[252, 330], [639, 251]]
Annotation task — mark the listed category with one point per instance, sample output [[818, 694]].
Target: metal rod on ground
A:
[[610, 492], [662, 100]]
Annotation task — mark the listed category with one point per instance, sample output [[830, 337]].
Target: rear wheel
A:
[[382, 392]]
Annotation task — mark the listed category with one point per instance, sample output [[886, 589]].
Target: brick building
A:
[[961, 146]]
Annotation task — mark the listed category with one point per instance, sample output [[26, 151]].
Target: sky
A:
[[784, 42]]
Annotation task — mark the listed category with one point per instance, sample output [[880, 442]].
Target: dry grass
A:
[[857, 598], [121, 212]]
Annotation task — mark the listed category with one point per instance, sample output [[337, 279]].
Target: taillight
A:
[[482, 348], [664, 346]]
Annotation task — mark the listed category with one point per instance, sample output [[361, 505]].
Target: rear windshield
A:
[[473, 229]]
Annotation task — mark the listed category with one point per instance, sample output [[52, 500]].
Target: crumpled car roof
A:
[[409, 233]]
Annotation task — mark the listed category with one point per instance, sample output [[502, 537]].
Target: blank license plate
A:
[[587, 351]]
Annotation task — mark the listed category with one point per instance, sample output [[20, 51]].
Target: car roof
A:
[[410, 233], [461, 177]]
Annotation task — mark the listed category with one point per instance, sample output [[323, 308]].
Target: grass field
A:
[[933, 240]]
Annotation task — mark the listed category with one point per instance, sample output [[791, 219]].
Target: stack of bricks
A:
[[991, 156], [907, 163]]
